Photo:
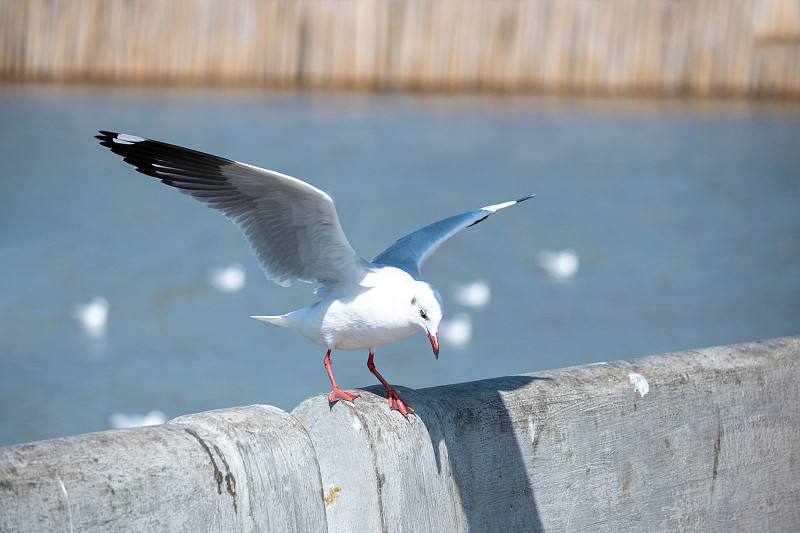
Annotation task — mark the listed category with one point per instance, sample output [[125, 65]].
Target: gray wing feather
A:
[[412, 251], [292, 227]]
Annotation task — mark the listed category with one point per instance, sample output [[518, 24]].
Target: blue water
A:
[[685, 215]]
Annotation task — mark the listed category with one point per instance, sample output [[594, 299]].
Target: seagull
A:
[[475, 294], [92, 316], [559, 264], [122, 421], [457, 331], [294, 232], [228, 279]]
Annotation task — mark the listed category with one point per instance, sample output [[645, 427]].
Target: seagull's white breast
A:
[[368, 318]]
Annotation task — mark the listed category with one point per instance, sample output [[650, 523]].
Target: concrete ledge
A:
[[241, 469], [713, 445]]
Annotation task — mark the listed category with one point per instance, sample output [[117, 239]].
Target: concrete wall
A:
[[701, 440], [243, 469]]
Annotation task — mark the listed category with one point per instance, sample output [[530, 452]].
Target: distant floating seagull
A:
[[93, 316], [122, 421], [294, 232], [457, 331], [558, 264], [475, 294], [228, 279]]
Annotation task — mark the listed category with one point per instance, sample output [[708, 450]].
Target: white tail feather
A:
[[278, 320]]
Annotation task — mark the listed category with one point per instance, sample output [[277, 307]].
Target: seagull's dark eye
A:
[[423, 314]]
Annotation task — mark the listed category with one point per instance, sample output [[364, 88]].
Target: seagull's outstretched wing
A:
[[412, 251], [291, 226]]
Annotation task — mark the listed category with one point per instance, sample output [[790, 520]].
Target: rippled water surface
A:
[[683, 214]]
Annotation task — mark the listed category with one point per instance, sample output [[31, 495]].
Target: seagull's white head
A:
[[426, 306]]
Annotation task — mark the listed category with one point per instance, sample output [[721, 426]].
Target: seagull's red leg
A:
[[395, 401], [337, 394]]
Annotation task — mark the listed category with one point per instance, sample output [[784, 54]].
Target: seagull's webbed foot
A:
[[338, 394], [396, 403]]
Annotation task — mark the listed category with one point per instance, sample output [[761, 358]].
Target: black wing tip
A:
[[107, 135], [122, 145], [111, 139], [176, 166], [525, 198]]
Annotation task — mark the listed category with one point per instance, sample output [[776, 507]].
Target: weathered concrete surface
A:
[[714, 445], [242, 469]]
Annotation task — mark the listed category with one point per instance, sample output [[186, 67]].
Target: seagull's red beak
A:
[[434, 343]]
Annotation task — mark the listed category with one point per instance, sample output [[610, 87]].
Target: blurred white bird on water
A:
[[122, 421], [476, 294], [93, 316], [228, 279], [456, 331], [558, 264]]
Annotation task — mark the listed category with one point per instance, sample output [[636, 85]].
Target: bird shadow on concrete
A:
[[488, 457]]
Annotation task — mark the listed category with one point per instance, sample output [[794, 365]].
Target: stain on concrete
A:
[[717, 448], [331, 496], [230, 481], [627, 478]]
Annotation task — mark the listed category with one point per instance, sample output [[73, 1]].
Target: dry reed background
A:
[[739, 47]]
